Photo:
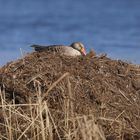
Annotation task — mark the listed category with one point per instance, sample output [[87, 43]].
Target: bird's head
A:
[[79, 46]]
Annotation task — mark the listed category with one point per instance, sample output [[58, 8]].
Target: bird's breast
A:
[[69, 51]]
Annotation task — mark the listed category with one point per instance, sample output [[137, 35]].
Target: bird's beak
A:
[[83, 51]]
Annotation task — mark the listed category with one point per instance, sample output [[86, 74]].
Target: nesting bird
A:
[[74, 49]]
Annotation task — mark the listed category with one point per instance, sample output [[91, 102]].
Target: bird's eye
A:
[[81, 47]]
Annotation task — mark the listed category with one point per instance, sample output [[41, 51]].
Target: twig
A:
[[22, 56], [125, 96], [117, 117], [17, 105], [54, 84]]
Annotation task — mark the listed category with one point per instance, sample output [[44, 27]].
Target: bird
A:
[[75, 49]]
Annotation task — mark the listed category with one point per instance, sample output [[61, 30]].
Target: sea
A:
[[107, 26]]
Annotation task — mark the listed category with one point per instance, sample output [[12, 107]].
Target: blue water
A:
[[108, 26]]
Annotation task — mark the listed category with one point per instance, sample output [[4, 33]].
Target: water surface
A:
[[111, 27]]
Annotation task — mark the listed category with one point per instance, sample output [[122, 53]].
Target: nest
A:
[[109, 89]]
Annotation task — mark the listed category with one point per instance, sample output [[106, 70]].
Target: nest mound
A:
[[109, 89]]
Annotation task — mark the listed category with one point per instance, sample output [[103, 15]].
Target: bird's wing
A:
[[53, 48]]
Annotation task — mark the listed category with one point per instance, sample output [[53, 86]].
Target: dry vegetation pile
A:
[[48, 96]]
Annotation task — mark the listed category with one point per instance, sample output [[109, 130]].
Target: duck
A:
[[75, 49]]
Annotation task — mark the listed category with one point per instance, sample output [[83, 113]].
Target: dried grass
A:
[[49, 96]]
